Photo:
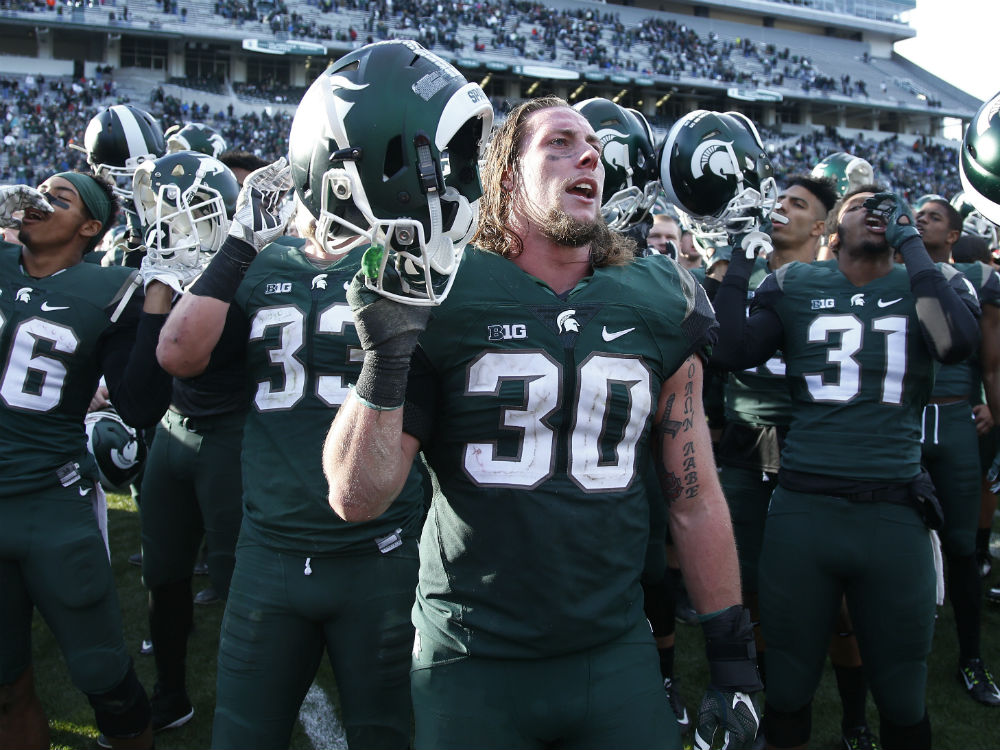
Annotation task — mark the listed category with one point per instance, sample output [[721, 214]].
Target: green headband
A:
[[93, 197]]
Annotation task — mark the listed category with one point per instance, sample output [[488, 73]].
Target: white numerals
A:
[[33, 380], [541, 376], [851, 332]]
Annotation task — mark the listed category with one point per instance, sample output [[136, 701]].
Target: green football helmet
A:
[[185, 201], [979, 160], [631, 182], [117, 140], [847, 172], [973, 221], [713, 166], [384, 151], [194, 136], [116, 447]]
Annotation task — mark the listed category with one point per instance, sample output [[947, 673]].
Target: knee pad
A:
[[787, 728], [123, 711], [913, 737]]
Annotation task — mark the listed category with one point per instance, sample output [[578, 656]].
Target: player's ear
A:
[[90, 228]]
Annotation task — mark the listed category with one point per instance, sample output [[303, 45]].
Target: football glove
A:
[[753, 241], [993, 475], [261, 211], [174, 274], [732, 700], [388, 331], [15, 198], [900, 225]]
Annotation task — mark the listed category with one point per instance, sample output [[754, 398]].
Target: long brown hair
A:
[[503, 157]]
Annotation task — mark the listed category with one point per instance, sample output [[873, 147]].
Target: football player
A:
[[540, 386], [65, 323], [306, 581], [191, 486], [951, 446], [859, 336]]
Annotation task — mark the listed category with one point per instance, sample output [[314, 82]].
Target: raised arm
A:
[[367, 456], [948, 321], [195, 325], [743, 341]]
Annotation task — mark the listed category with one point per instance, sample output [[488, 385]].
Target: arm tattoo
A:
[[671, 486], [667, 424]]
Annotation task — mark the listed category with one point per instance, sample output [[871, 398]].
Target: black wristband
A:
[[223, 276], [731, 651], [382, 382]]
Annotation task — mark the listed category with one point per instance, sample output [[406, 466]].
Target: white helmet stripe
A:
[[136, 141]]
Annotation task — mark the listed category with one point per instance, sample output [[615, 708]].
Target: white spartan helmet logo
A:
[[858, 300], [319, 282], [127, 457], [24, 294], [566, 322], [719, 158], [614, 151]]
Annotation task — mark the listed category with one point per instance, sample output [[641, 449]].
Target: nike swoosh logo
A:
[[46, 307], [609, 336], [84, 491], [887, 302]]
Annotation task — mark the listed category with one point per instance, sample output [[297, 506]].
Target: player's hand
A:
[[101, 399], [261, 211], [385, 326], [732, 700], [737, 714], [983, 419], [14, 198], [175, 274], [900, 225], [753, 241]]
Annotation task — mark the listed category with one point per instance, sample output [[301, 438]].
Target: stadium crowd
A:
[[572, 391]]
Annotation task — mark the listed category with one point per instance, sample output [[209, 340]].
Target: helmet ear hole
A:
[[393, 163]]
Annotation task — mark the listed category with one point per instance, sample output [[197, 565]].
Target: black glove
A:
[[899, 222], [752, 241], [732, 700], [388, 331]]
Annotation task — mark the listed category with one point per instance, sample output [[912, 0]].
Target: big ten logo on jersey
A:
[[281, 287], [506, 331], [823, 304]]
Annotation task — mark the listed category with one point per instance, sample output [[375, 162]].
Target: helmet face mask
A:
[[406, 183], [185, 201], [848, 172], [631, 181], [118, 141], [713, 166]]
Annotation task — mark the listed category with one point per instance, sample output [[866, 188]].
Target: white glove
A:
[[261, 214], [173, 274], [15, 198]]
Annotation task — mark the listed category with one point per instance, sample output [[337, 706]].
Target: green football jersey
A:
[[302, 354], [858, 368], [759, 395], [963, 379], [50, 330], [544, 408]]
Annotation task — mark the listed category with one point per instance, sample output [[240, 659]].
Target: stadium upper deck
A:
[[786, 64]]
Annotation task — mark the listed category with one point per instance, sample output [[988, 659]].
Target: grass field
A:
[[957, 721]]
